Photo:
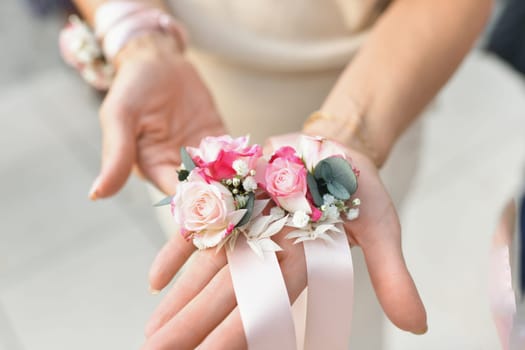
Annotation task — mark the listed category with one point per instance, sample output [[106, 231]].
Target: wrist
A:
[[348, 124], [148, 45], [137, 26]]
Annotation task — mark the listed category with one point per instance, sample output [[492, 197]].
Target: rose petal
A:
[[295, 203]]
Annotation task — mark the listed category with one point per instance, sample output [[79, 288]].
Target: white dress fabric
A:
[[270, 63]]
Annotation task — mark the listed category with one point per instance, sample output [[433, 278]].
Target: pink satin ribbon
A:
[[263, 301], [330, 293], [502, 299], [262, 298], [117, 22]]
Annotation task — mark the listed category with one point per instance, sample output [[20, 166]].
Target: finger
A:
[[164, 177], [198, 318], [392, 282], [205, 265], [118, 148], [378, 232], [168, 261], [229, 335]]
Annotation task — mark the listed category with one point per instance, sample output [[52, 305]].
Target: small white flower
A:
[[332, 212], [300, 219], [277, 212], [241, 167], [352, 214], [236, 182], [252, 172], [328, 199], [249, 184]]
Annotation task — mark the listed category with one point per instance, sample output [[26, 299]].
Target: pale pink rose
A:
[[285, 181], [217, 154], [314, 149], [207, 210]]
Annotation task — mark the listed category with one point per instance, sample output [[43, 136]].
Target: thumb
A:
[[118, 148], [378, 232]]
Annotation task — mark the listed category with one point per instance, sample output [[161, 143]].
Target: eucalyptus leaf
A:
[[336, 169], [186, 159], [314, 189], [323, 170], [163, 202], [249, 210], [338, 190]]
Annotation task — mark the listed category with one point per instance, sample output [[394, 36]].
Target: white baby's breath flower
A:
[[328, 199], [300, 219], [236, 182], [249, 184], [277, 212], [352, 214], [332, 212], [241, 167]]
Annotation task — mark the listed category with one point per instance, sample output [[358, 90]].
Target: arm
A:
[[411, 53], [157, 103], [88, 7]]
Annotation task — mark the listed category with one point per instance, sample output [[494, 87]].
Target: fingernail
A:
[[154, 291], [93, 191], [422, 331]]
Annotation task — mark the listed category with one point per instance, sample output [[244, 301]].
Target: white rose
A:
[[300, 219], [205, 209]]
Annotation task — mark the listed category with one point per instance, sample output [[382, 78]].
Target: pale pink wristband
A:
[[110, 13], [116, 23]]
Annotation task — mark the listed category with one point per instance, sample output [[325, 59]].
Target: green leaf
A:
[[163, 202], [336, 169], [314, 189], [183, 174], [323, 171], [249, 210], [338, 191], [186, 159]]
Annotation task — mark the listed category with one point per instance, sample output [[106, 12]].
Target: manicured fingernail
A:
[[154, 291], [422, 331], [93, 195]]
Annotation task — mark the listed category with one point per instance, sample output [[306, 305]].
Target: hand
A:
[[157, 104], [201, 308]]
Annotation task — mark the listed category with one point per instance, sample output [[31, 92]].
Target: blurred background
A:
[[73, 273]]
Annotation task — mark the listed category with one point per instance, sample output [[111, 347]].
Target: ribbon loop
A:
[[262, 298], [330, 293]]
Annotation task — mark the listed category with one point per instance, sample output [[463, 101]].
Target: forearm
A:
[[88, 7], [410, 54]]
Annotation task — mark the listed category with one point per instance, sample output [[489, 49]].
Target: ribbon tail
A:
[[262, 298], [330, 293]]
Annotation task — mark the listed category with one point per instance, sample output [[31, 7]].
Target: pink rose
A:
[[314, 149], [205, 210], [285, 181], [217, 154]]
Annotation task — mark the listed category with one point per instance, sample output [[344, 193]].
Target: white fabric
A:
[[290, 36]]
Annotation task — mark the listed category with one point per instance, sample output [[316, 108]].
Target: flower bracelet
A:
[[116, 23], [230, 195]]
